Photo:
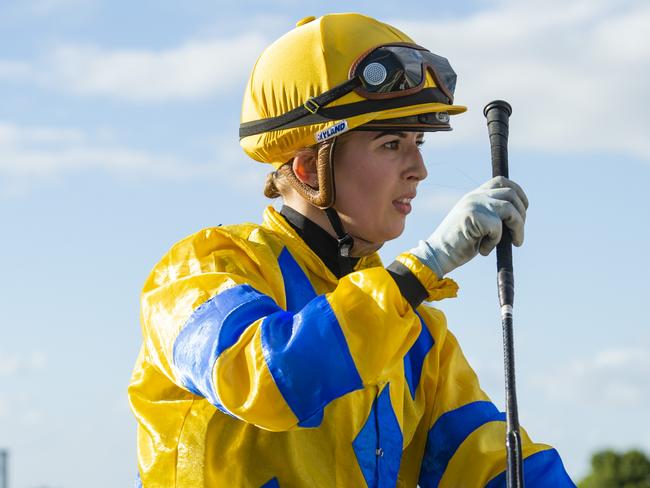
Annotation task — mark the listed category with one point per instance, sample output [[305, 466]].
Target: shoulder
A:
[[434, 320], [238, 248], [444, 342]]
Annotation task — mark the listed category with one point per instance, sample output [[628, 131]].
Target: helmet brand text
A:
[[332, 131]]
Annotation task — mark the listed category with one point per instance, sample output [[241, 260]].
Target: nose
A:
[[416, 169]]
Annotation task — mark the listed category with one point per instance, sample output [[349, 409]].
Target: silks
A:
[[259, 368]]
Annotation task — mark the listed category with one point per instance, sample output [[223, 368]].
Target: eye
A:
[[392, 145], [420, 142]]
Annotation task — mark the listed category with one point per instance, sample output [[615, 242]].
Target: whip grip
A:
[[497, 114]]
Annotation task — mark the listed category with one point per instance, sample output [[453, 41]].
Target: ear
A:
[[304, 167]]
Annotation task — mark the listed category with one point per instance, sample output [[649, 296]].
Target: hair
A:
[[271, 185], [277, 184]]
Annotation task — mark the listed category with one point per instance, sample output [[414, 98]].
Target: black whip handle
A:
[[498, 116]]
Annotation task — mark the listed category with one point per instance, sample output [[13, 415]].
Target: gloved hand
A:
[[475, 225]]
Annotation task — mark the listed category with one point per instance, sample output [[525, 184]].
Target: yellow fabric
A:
[[310, 60], [185, 441], [482, 456], [437, 288]]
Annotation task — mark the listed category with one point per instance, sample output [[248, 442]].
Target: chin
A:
[[393, 231]]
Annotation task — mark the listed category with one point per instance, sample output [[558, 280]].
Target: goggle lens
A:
[[394, 69]]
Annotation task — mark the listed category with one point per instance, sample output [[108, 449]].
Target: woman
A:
[[285, 354]]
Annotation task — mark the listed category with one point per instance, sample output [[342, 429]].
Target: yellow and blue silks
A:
[[259, 368]]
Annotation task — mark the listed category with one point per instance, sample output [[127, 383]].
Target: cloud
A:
[[14, 70], [4, 408], [613, 378], [48, 7], [194, 70], [575, 81], [14, 364], [30, 156]]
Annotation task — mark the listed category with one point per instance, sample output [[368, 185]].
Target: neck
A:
[[361, 246], [324, 245]]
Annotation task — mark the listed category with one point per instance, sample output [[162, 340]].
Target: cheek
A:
[[364, 198], [362, 190]]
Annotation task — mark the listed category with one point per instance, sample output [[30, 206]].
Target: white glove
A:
[[475, 225]]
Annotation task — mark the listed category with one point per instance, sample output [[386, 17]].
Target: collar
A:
[[316, 247], [320, 241]]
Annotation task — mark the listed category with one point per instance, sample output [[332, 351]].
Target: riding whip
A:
[[497, 114]]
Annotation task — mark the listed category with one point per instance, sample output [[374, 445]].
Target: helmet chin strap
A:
[[345, 240], [324, 197]]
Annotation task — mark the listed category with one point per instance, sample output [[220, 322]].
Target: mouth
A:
[[403, 205]]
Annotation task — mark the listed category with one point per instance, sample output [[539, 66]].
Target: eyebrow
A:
[[383, 133], [397, 133]]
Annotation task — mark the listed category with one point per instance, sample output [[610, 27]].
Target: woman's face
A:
[[376, 175]]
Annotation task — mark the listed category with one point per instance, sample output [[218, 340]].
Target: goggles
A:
[[387, 76], [397, 70]]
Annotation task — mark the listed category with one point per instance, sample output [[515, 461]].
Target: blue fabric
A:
[[272, 483], [378, 445], [390, 441], [298, 292], [213, 327], [138, 481], [543, 469], [298, 289], [313, 421], [414, 359], [365, 447], [309, 358], [448, 433]]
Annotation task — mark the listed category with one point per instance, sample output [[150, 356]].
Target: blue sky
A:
[[118, 137]]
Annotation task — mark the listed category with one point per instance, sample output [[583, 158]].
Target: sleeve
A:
[[466, 433], [219, 321]]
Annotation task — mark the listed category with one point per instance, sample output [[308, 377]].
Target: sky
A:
[[118, 137]]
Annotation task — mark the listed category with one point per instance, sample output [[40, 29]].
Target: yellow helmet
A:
[[333, 74]]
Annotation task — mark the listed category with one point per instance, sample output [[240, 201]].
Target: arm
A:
[[215, 321], [466, 438]]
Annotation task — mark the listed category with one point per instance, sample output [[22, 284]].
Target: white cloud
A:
[[32, 155], [13, 364], [193, 70], [4, 408], [14, 70], [48, 7], [612, 378], [575, 74]]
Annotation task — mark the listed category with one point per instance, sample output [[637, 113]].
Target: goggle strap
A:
[[428, 95], [310, 107]]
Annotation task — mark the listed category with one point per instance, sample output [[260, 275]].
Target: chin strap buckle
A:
[[345, 245]]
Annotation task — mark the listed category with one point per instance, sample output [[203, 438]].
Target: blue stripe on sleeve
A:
[[414, 359], [298, 292], [448, 433], [213, 327], [309, 358], [298, 289], [541, 470]]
